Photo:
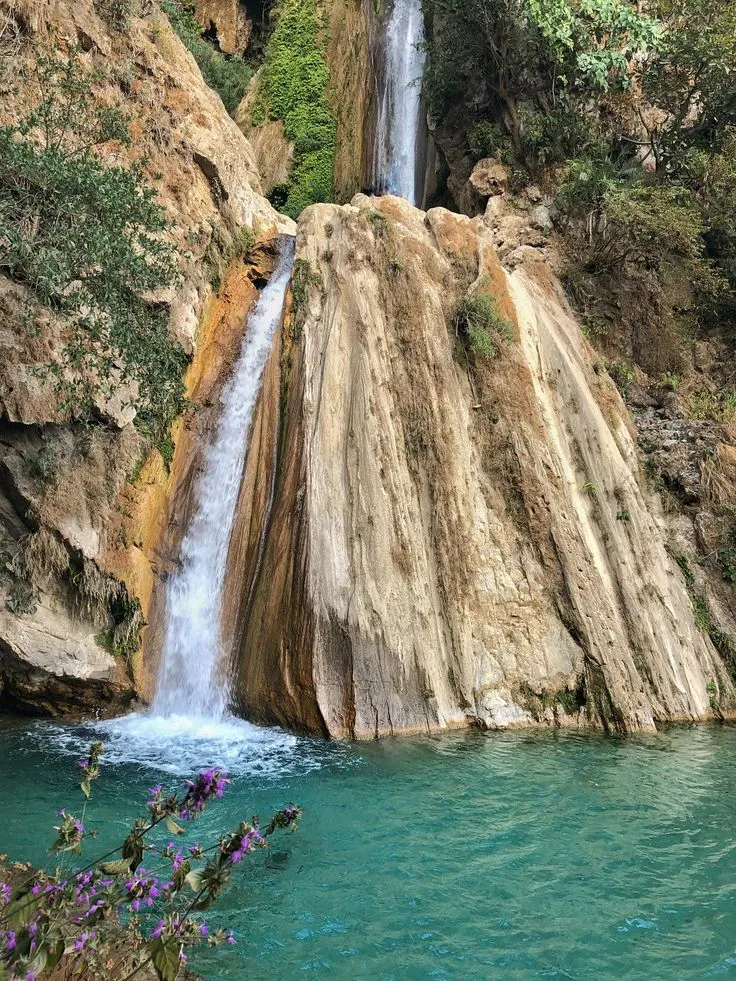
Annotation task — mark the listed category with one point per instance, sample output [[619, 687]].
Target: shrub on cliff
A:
[[111, 918], [87, 240], [534, 63], [480, 324]]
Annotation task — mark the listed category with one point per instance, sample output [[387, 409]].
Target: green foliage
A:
[[533, 65], [481, 325], [88, 242], [626, 219], [293, 88], [117, 13], [43, 464], [488, 139], [22, 598], [690, 77], [228, 75], [111, 918], [592, 42]]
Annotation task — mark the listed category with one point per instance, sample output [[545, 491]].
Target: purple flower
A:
[[135, 905], [158, 930], [5, 894], [208, 784], [83, 764], [31, 976], [231, 937], [9, 939], [203, 931]]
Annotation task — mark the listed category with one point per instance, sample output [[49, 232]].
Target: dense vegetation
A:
[[294, 89], [87, 241], [629, 119]]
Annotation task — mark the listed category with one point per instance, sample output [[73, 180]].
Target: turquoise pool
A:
[[464, 856]]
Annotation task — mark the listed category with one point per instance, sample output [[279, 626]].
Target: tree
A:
[[690, 78], [533, 56]]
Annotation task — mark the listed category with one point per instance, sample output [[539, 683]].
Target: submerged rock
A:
[[453, 540]]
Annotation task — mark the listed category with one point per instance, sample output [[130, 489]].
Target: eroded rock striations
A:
[[454, 540]]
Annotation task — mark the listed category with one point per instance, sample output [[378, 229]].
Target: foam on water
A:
[[181, 745]]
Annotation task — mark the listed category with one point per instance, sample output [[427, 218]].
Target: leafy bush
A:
[[626, 219], [533, 65], [117, 13], [228, 75], [293, 88], [72, 919], [479, 322], [88, 242]]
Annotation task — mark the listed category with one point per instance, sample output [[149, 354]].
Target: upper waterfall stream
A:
[[397, 152], [193, 675]]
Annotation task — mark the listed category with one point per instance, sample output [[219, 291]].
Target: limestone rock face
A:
[[52, 663], [453, 540], [73, 531], [229, 22], [489, 177]]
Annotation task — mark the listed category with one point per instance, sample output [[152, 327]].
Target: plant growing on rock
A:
[[293, 88], [88, 242], [228, 75], [480, 324], [112, 918]]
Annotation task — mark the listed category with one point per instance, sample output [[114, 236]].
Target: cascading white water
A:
[[191, 682], [397, 152]]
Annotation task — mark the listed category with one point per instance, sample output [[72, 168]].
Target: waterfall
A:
[[398, 147], [192, 678]]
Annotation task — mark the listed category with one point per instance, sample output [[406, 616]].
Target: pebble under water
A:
[[467, 855]]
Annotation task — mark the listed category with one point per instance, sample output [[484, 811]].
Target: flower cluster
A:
[[208, 785], [48, 920], [143, 889], [241, 844]]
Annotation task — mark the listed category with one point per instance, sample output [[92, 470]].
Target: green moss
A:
[[303, 278], [293, 88]]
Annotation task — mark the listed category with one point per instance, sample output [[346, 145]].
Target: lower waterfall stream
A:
[[192, 680]]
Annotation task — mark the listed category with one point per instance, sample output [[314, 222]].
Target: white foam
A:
[[182, 745]]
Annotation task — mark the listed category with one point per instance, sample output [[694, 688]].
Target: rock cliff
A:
[[85, 507], [454, 540]]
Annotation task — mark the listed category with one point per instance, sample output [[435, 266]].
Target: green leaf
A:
[[164, 953], [22, 910], [86, 787], [194, 880], [119, 867], [173, 827]]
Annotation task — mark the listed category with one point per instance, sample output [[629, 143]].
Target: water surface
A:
[[465, 856]]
